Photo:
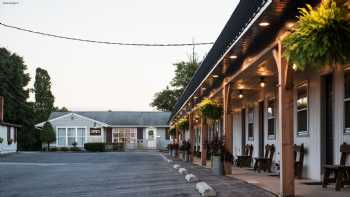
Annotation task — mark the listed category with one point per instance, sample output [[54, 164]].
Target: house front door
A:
[[151, 138]]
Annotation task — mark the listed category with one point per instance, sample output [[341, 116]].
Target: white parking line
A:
[[32, 164]]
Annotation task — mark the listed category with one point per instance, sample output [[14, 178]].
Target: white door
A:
[[151, 138]]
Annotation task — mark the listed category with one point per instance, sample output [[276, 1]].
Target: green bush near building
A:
[[95, 147]]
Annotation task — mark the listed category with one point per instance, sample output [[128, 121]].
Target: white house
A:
[[8, 133], [135, 129]]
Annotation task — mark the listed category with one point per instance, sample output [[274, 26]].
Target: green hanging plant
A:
[[172, 131], [183, 124], [320, 37], [210, 109]]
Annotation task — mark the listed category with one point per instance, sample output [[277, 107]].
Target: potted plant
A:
[[319, 38], [170, 149], [175, 149], [185, 149], [9, 141], [210, 109], [216, 147], [1, 140]]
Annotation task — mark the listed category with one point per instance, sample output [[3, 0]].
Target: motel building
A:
[[142, 130], [265, 101]]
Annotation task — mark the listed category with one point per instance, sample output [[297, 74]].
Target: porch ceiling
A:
[[240, 39]]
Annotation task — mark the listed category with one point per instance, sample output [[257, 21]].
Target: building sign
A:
[[95, 131]]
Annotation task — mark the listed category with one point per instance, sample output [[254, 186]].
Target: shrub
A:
[[95, 147], [75, 149], [53, 149], [64, 149], [118, 146]]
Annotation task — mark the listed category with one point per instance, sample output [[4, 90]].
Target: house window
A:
[[302, 110], [61, 133], [251, 124], [67, 136], [71, 136], [81, 136], [347, 101], [271, 123]]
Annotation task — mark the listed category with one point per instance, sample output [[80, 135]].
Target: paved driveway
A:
[[90, 174]]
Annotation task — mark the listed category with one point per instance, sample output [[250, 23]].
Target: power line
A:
[[105, 42]]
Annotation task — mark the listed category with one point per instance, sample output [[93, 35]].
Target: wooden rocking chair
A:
[[341, 172], [265, 163], [245, 160], [299, 160]]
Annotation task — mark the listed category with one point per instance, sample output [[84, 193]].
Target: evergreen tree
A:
[[44, 100], [47, 134]]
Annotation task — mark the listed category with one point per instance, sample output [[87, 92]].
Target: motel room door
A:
[[327, 136]]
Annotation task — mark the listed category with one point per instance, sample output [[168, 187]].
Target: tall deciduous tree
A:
[[44, 99], [47, 134], [165, 100], [13, 82]]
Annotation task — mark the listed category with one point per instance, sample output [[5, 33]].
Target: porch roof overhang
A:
[[243, 37]]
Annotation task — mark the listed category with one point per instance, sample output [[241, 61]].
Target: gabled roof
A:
[[121, 118]]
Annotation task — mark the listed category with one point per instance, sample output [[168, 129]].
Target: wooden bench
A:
[[299, 152], [245, 160], [341, 172], [265, 163]]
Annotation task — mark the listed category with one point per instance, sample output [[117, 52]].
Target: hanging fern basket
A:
[[183, 124], [320, 37], [172, 131], [210, 109]]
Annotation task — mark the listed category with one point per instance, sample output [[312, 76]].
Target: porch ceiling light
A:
[[240, 95], [262, 82], [232, 57], [264, 24], [216, 76]]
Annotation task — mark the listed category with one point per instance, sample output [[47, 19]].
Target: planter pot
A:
[[185, 156], [217, 165]]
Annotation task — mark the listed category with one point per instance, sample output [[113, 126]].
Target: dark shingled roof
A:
[[121, 118]]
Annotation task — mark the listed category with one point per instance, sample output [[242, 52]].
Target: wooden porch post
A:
[[227, 126], [204, 141], [192, 136], [177, 140], [285, 97]]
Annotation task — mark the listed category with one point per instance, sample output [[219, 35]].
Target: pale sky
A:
[[89, 76]]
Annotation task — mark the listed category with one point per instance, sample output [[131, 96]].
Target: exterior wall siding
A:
[[4, 146]]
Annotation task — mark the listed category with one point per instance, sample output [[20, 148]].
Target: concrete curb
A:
[[191, 178], [183, 171], [205, 190], [176, 166]]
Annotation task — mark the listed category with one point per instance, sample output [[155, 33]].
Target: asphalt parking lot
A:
[[90, 174]]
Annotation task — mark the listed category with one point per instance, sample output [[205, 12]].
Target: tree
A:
[[44, 99], [165, 100], [47, 134], [13, 83], [62, 109]]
